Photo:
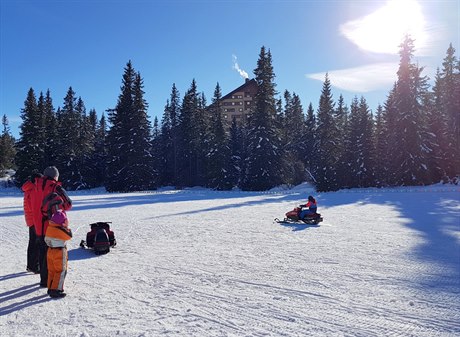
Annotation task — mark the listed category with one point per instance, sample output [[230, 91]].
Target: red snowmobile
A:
[[292, 217]]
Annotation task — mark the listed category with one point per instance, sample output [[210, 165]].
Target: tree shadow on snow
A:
[[16, 294], [114, 201], [127, 199], [274, 198], [436, 216]]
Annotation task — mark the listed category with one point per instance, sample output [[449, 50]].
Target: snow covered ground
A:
[[204, 263]]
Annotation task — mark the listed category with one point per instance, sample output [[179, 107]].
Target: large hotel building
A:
[[238, 103]]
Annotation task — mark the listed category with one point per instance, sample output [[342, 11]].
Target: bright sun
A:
[[383, 30]]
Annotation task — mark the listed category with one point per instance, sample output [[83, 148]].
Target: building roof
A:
[[249, 83]]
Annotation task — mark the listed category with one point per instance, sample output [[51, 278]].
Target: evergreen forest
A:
[[412, 139]]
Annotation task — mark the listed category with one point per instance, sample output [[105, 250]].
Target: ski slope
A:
[[205, 263]]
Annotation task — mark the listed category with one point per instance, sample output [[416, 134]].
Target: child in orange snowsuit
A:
[[57, 233]]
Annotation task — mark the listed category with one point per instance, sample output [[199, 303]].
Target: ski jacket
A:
[[44, 186], [28, 188], [57, 235], [311, 205]]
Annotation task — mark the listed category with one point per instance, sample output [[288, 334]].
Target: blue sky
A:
[[54, 44]]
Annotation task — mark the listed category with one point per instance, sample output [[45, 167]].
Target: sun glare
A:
[[383, 30]]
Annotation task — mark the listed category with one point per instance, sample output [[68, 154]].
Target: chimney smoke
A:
[[238, 69]]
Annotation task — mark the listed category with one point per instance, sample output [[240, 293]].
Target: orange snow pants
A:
[[57, 267]]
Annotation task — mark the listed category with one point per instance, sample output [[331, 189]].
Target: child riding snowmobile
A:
[[305, 213]]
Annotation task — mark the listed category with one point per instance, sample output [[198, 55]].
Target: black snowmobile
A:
[[100, 238]]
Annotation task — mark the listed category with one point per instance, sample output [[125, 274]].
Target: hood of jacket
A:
[[28, 186]]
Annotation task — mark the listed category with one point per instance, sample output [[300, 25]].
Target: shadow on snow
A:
[[16, 294], [436, 216], [81, 254]]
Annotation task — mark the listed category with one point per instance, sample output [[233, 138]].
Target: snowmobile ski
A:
[[311, 221]]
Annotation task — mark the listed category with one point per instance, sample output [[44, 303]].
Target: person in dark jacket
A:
[[310, 208], [47, 197]]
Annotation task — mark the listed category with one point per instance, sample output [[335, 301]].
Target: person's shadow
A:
[[17, 294], [10, 276]]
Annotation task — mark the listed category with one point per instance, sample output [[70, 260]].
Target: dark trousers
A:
[[32, 251], [43, 250]]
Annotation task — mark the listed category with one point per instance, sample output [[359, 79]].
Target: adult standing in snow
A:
[[47, 197], [32, 248], [311, 207]]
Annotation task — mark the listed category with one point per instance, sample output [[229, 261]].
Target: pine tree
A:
[[450, 100], [219, 151], [169, 146], [235, 166], [368, 150], [7, 148], [349, 164], [293, 140], [310, 147], [283, 113], [156, 152], [202, 143], [42, 141], [360, 142], [30, 150], [264, 167], [437, 135], [50, 131], [99, 157], [86, 147], [191, 166], [129, 159], [343, 132], [70, 147], [141, 173], [165, 159], [188, 133], [90, 166], [380, 145], [411, 165], [390, 139], [327, 137]]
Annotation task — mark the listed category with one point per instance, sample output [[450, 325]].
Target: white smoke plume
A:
[[238, 69]]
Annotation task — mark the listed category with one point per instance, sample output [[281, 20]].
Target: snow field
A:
[[203, 263]]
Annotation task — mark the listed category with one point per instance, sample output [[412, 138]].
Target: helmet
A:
[[310, 198]]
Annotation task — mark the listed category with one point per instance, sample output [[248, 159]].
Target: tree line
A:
[[412, 139]]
